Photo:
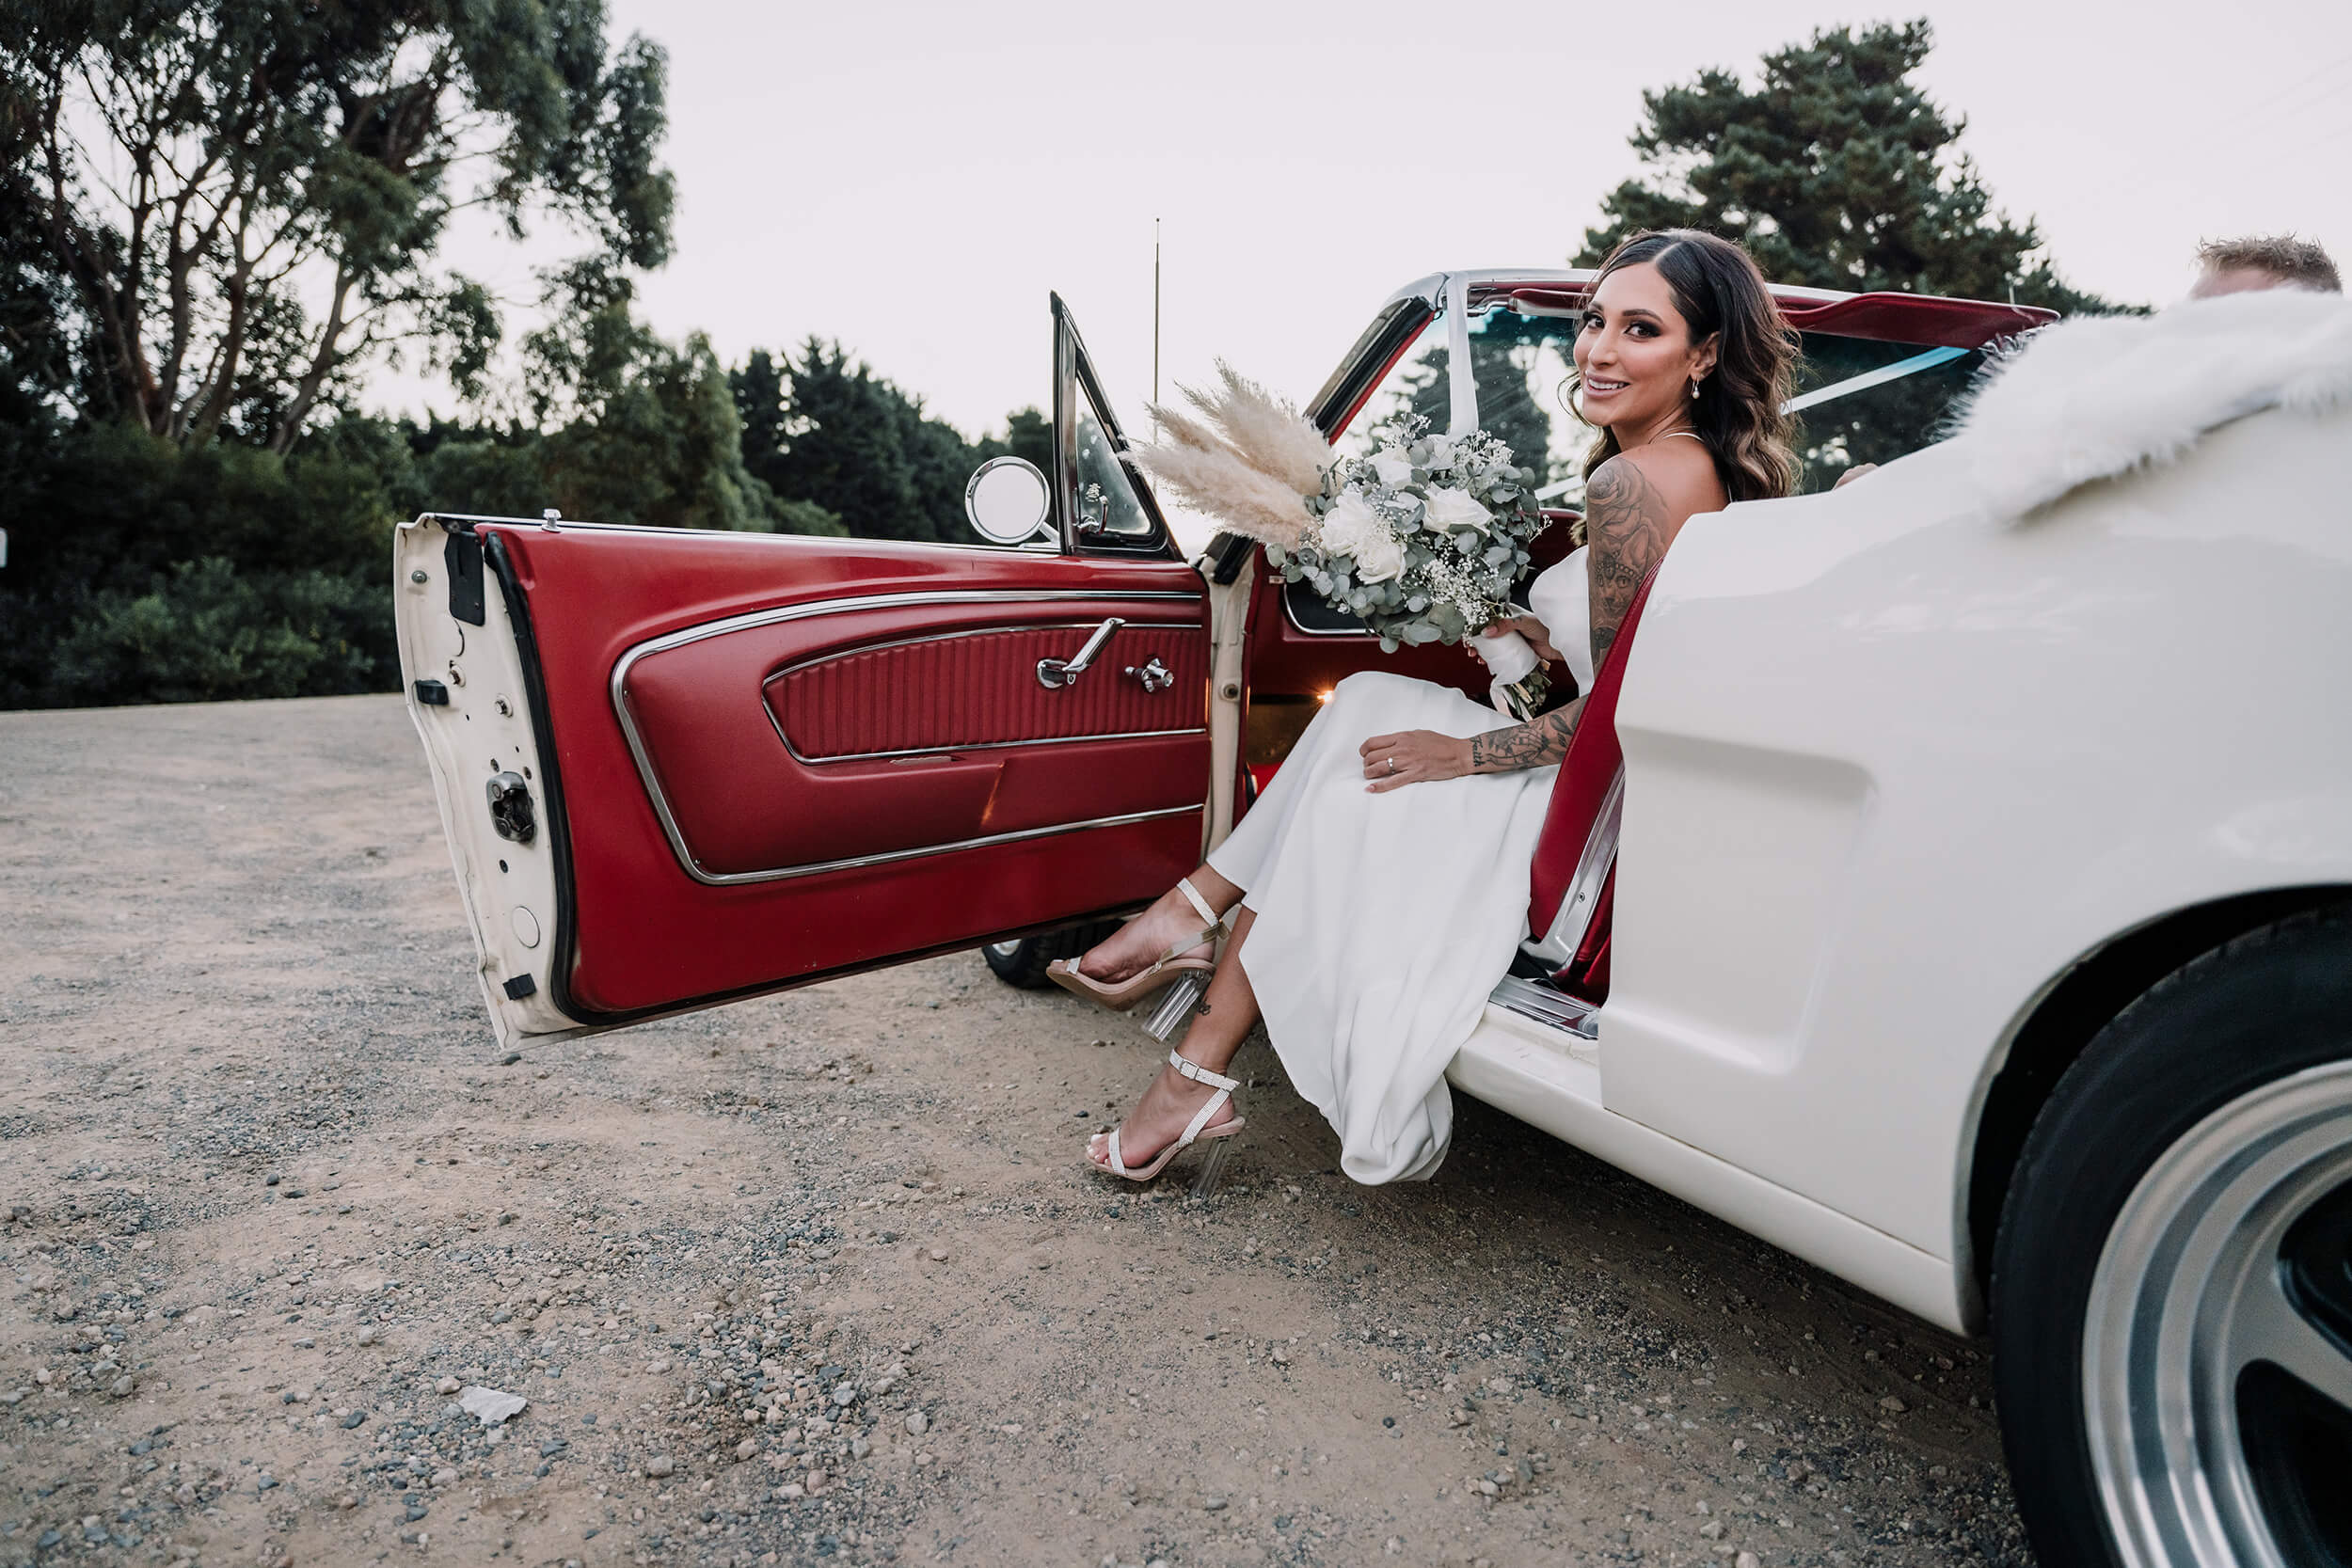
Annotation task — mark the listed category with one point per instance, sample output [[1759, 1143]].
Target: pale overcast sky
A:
[[913, 179]]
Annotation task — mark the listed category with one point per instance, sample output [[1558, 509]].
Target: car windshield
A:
[[1859, 400]]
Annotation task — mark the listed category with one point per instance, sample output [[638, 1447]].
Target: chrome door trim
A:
[[777, 724], [618, 694], [1575, 916], [852, 863]]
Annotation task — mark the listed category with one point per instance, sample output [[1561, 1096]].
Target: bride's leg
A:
[[1353, 711], [1170, 919], [1168, 1106]]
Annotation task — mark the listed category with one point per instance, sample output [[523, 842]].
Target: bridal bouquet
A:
[[1420, 538]]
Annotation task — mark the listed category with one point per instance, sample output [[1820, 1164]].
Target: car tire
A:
[[1021, 961], [2171, 1286]]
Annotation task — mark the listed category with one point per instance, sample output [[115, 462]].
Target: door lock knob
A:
[[1153, 674]]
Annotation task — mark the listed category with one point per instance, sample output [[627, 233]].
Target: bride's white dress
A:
[[1383, 921]]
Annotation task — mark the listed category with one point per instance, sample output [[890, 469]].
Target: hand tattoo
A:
[[1628, 524]]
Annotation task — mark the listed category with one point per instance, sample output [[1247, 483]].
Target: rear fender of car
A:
[[2063, 1019], [1908, 788]]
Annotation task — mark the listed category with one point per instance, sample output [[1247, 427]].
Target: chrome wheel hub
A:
[[1005, 949], [2218, 1340]]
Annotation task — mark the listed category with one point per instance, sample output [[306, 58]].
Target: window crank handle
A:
[[1054, 673], [1153, 676]]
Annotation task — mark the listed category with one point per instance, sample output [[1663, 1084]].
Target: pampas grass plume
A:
[[1268, 433], [1252, 464], [1216, 481]]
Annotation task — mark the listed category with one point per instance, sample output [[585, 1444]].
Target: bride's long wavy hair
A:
[[1720, 293]]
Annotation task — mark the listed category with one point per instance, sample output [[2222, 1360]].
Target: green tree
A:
[[183, 170], [1029, 433], [140, 571], [1836, 172], [824, 429]]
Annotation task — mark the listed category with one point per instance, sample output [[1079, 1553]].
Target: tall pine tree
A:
[[1836, 172]]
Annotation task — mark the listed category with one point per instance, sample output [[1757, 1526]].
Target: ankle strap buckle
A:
[[1200, 1074]]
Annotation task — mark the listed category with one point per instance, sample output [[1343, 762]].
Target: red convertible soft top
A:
[[1923, 318]]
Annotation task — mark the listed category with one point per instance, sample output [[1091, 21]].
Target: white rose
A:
[[1351, 523], [1380, 558], [1393, 466], [1449, 508]]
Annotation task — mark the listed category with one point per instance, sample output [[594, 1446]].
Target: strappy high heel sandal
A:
[[1199, 1130], [1185, 980]]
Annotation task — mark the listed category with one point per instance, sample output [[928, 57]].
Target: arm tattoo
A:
[[1629, 527], [1538, 743], [1628, 524]]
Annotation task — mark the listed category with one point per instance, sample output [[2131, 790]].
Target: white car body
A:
[[1893, 769]]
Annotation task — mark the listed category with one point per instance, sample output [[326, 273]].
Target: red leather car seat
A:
[[1572, 883]]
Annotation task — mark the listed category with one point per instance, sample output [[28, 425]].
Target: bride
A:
[[1376, 891]]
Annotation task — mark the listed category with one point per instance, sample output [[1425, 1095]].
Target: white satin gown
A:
[[1383, 921]]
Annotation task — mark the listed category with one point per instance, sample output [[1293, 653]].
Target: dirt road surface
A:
[[817, 1278]]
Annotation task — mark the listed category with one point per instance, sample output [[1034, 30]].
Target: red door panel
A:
[[641, 933], [980, 689], [785, 744]]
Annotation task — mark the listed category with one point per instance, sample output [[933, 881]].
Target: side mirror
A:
[[1006, 500]]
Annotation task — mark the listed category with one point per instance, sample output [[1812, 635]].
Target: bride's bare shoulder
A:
[[1634, 505], [1675, 478]]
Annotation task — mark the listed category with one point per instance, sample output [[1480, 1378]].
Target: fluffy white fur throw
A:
[[2100, 395]]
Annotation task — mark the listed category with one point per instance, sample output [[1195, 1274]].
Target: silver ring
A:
[[1392, 764]]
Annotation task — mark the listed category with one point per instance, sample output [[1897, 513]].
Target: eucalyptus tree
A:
[[235, 203]]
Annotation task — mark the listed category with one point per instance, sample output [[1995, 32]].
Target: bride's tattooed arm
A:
[[1628, 524]]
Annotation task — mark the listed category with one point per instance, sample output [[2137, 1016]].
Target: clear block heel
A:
[[1177, 1004], [1212, 1168]]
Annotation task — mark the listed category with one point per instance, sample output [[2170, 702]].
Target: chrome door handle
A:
[[1054, 673], [1153, 676]]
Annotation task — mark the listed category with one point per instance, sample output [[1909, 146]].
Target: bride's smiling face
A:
[[1634, 359]]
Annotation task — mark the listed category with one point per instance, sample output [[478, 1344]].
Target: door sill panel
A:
[[1510, 1064]]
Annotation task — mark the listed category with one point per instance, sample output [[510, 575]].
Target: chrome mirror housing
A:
[[1006, 500]]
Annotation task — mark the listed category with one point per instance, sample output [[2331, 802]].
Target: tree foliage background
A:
[[218, 217], [1835, 171]]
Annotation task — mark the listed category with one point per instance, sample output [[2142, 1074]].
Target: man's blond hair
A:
[[2299, 263]]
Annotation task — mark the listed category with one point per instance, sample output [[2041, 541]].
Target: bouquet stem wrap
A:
[[1520, 682]]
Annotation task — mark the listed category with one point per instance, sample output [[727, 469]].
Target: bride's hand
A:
[[1538, 637], [1414, 756]]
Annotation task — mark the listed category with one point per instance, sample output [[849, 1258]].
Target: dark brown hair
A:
[[2290, 260], [1721, 296]]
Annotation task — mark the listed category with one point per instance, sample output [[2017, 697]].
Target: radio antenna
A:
[[1155, 309]]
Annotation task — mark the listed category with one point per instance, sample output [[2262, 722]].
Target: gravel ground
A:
[[818, 1277]]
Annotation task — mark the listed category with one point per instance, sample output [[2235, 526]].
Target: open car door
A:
[[677, 767]]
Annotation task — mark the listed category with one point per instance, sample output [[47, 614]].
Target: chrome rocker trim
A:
[[1553, 1009], [617, 689]]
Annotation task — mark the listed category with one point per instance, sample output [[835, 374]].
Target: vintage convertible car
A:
[[1961, 905]]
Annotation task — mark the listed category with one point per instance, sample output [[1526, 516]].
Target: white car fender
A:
[[1892, 766]]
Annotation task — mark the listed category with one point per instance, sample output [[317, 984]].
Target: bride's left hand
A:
[[1413, 757]]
